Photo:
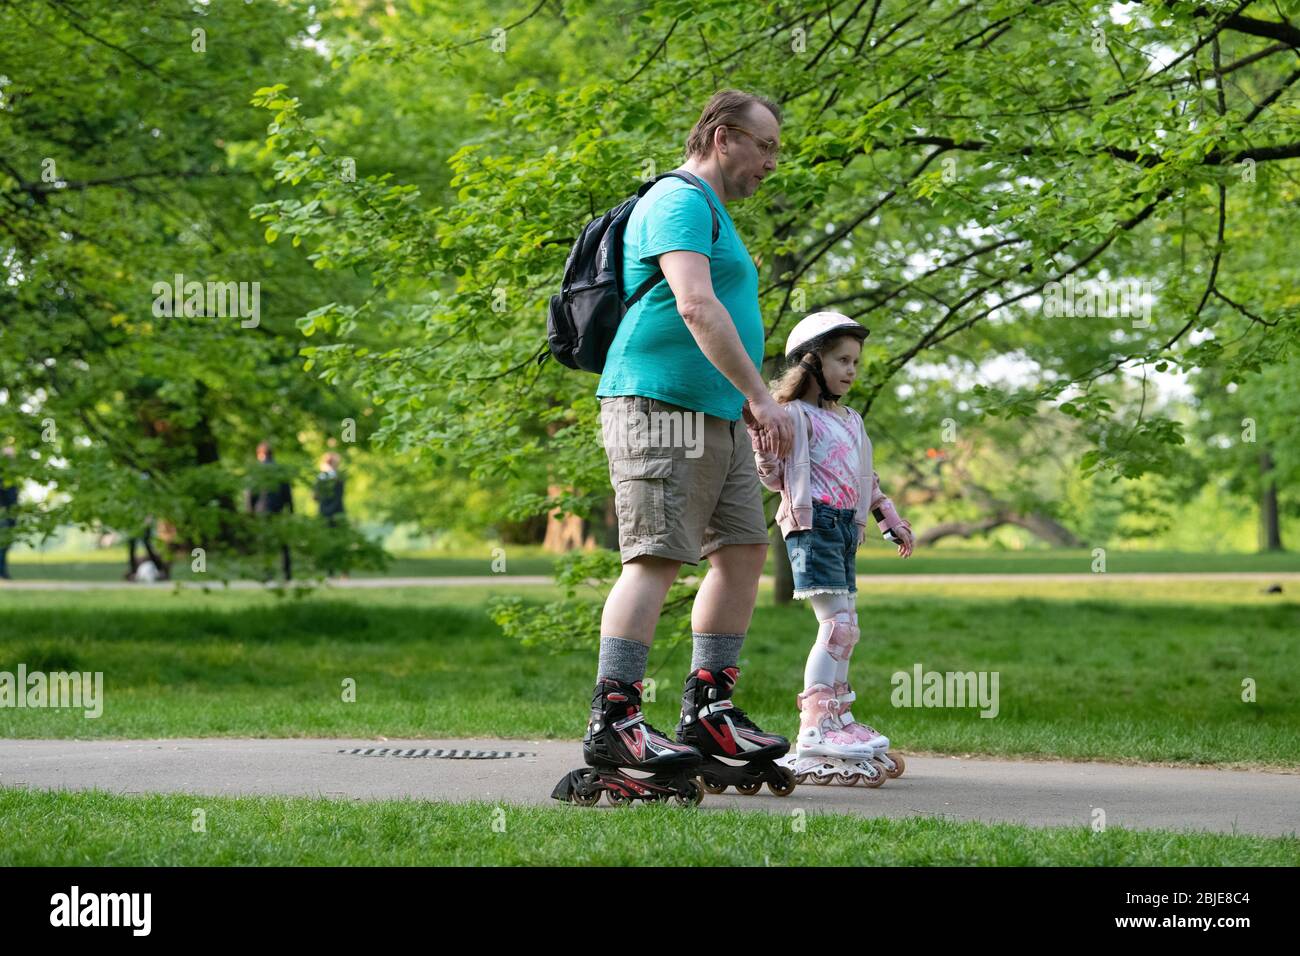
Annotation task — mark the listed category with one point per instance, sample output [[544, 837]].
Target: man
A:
[[269, 497], [8, 500], [687, 357], [328, 492], [151, 567]]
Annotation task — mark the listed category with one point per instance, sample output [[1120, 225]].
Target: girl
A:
[[827, 487]]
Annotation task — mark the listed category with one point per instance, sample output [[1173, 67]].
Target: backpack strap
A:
[[653, 280]]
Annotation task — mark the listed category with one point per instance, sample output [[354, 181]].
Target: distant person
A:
[[264, 499], [151, 566], [328, 492], [8, 499]]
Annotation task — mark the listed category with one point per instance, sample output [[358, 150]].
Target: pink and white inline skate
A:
[[893, 763], [826, 751]]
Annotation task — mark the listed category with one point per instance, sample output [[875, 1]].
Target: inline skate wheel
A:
[[586, 789], [690, 796], [750, 788], [878, 779], [713, 788], [801, 778], [845, 776], [890, 763], [617, 799], [786, 785]]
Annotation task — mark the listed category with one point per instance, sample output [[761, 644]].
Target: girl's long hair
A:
[[792, 383]]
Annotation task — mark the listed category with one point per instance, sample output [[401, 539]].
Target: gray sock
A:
[[622, 659], [715, 651]]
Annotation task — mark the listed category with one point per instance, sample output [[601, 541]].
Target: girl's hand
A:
[[905, 542], [774, 422], [758, 437]]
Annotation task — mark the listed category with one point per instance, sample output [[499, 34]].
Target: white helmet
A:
[[815, 329], [810, 334]]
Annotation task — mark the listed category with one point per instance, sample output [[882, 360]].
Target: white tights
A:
[[828, 661]]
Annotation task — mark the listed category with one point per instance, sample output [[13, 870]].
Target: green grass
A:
[[1106, 670], [874, 558], [94, 828]]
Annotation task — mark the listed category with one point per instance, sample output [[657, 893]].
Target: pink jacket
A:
[[791, 477]]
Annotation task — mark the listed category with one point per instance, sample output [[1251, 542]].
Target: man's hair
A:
[[725, 108]]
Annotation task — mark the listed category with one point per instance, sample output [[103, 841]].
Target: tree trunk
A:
[[1049, 529], [568, 532], [961, 529], [565, 533], [1270, 529], [611, 524], [1039, 525], [783, 587]]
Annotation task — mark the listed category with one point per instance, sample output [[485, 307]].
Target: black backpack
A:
[[585, 314]]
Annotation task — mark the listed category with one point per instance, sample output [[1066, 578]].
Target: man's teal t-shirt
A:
[[654, 353]]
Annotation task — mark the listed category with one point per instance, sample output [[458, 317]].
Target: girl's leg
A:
[[835, 637], [842, 666], [833, 664], [822, 731], [865, 733]]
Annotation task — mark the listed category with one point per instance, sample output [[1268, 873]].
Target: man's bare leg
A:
[[725, 602], [637, 598]]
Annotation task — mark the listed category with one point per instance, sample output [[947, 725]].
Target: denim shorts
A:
[[824, 559]]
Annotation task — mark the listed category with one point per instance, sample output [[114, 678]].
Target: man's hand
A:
[[772, 423], [756, 435]]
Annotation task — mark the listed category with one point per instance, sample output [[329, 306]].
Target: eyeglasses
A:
[[769, 147]]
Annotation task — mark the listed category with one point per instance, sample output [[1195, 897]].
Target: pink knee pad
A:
[[839, 638], [853, 639]]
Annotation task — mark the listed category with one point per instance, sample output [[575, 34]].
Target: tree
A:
[[1250, 428], [127, 165], [947, 165]]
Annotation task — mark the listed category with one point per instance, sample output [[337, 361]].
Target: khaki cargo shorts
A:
[[684, 482]]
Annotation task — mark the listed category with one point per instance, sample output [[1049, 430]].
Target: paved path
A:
[[1046, 793], [512, 580]]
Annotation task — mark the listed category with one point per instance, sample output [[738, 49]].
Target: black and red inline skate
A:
[[627, 759], [736, 752]]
